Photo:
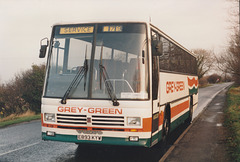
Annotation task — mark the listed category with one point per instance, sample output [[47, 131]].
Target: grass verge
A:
[[15, 119], [232, 122]]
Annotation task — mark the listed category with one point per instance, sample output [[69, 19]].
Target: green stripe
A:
[[179, 121], [174, 125], [105, 140], [157, 136], [193, 91]]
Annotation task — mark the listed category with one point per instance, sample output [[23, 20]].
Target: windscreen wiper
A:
[[108, 84], [82, 72], [75, 82]]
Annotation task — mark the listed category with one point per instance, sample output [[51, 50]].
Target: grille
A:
[[98, 120], [71, 119]]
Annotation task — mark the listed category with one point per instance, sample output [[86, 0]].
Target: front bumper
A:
[[105, 140]]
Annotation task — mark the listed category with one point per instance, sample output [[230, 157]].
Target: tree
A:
[[204, 61], [229, 60], [32, 87], [23, 92], [11, 97], [214, 78]]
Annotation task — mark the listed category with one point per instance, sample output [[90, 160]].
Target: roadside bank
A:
[[14, 119], [232, 122]]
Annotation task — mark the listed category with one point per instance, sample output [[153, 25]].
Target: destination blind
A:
[[76, 30]]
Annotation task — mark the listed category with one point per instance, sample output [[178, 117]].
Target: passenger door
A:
[[155, 87]]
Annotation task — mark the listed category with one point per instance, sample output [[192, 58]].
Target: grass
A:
[[15, 119], [232, 122]]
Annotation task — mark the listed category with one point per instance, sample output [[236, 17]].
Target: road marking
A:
[[19, 148], [219, 124], [217, 104]]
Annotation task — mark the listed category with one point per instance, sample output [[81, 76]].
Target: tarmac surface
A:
[[206, 137]]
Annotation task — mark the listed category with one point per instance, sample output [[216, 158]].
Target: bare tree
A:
[[204, 61], [229, 60]]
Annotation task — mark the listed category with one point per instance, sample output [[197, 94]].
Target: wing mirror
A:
[[44, 44]]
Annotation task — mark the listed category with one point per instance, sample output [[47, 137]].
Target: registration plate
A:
[[89, 137]]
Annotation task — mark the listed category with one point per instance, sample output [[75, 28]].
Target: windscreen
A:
[[118, 51]]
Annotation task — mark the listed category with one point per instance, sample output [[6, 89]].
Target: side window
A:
[[176, 59], [164, 59], [173, 61], [156, 44], [155, 36], [192, 64]]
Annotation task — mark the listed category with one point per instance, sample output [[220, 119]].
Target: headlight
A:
[[134, 121], [49, 117]]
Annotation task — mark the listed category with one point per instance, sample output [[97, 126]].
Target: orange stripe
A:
[[161, 116], [147, 125], [41, 117], [179, 108]]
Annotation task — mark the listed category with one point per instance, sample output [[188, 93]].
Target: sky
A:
[[23, 23]]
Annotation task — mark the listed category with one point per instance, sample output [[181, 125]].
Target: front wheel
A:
[[166, 126]]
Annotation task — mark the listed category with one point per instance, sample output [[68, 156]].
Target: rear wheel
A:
[[190, 117]]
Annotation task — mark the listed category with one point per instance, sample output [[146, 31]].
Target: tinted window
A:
[[176, 59]]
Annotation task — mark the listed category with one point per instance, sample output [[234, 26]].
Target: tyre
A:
[[166, 125], [190, 117]]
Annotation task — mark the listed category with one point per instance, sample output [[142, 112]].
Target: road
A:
[[206, 95], [22, 142]]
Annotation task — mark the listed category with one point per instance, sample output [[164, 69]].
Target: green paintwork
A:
[[193, 91], [105, 140], [179, 121]]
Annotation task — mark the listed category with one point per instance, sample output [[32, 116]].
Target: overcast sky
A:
[[23, 23]]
